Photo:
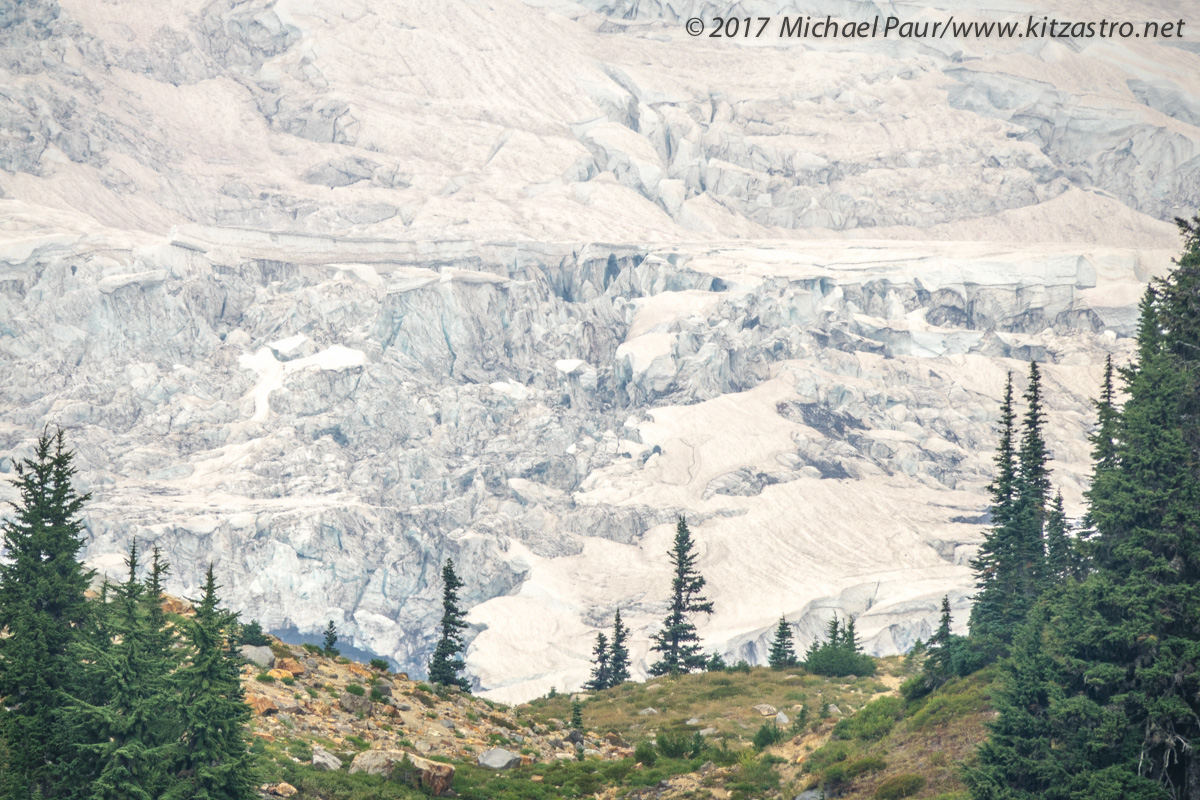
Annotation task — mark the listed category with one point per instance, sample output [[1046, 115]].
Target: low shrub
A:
[[355, 689], [674, 744], [900, 786], [767, 734], [380, 664], [644, 752], [263, 677]]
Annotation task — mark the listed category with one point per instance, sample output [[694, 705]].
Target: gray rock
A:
[[499, 758], [353, 703], [324, 760], [261, 656], [782, 719], [648, 711], [765, 709]]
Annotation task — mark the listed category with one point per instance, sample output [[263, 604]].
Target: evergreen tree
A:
[[42, 606], [1010, 568], [126, 741], [840, 654], [994, 563], [213, 761], [576, 716], [783, 652], [601, 675], [678, 641], [618, 653], [716, 663], [1061, 560], [1118, 715], [447, 656], [330, 648]]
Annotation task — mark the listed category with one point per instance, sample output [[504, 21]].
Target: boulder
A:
[[281, 790], [260, 656], [353, 703], [261, 706], [433, 775], [782, 718], [279, 674], [291, 665], [499, 758], [575, 737], [765, 710], [647, 712], [325, 761]]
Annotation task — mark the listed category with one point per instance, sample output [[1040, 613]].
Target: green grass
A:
[[891, 744]]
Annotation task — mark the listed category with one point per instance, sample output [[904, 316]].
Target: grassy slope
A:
[[931, 738]]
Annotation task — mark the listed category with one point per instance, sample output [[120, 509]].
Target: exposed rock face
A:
[[499, 758], [262, 656], [325, 761], [327, 320], [433, 775]]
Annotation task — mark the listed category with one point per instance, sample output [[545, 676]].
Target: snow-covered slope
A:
[[328, 292]]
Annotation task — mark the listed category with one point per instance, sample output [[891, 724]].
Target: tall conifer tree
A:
[[42, 585], [128, 736], [783, 651], [678, 641], [601, 675], [618, 654], [447, 659], [213, 761], [1119, 689]]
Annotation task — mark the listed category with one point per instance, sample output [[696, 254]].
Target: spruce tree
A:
[[618, 653], [127, 740], [783, 651], [447, 659], [601, 675], [1120, 715], [678, 641], [1061, 560], [330, 649], [213, 761], [42, 606], [993, 565], [576, 715]]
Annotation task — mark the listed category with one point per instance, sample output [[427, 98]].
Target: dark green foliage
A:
[[1010, 568], [447, 656], [674, 744], [214, 762], [618, 653], [252, 634], [330, 649], [42, 584], [601, 673], [1061, 560], [900, 786], [678, 641], [1102, 694], [768, 734], [380, 664], [783, 652], [355, 689], [835, 777], [576, 715], [716, 663], [645, 753], [124, 732], [840, 654]]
